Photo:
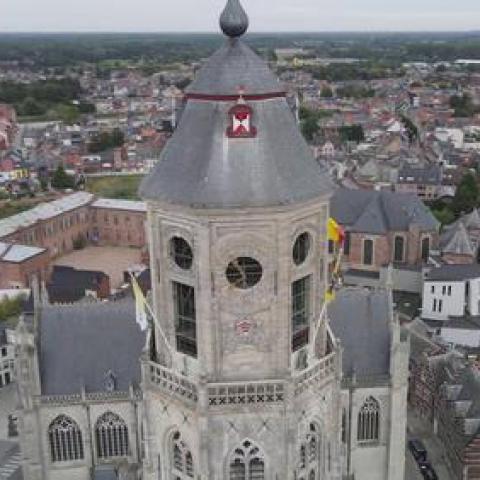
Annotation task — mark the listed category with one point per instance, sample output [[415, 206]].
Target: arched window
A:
[[369, 421], [181, 459], [247, 463], [368, 251], [310, 454], [65, 440], [399, 249], [425, 248], [111, 434]]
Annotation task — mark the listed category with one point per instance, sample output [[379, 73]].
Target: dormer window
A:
[[110, 382], [241, 121]]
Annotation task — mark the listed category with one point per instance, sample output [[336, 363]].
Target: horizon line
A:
[[208, 32]]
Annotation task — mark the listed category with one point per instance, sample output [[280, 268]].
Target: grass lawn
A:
[[123, 187], [9, 209]]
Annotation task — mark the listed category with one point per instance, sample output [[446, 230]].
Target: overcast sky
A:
[[265, 15]]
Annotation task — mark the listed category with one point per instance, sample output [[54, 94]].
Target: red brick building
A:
[[53, 229], [18, 263], [384, 227]]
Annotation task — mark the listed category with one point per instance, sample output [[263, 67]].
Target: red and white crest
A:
[[241, 122]]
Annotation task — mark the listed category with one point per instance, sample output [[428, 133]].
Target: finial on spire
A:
[[234, 20]]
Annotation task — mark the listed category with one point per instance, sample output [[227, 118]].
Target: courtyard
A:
[[111, 260]]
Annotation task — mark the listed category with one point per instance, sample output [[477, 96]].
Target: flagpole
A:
[[150, 310]]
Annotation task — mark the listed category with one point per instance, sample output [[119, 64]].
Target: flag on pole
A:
[[140, 305], [335, 231]]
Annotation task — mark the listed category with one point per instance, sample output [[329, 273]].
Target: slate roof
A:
[[81, 343], [378, 212], [471, 220], [44, 211], [201, 167], [117, 204], [470, 381], [233, 66], [456, 240], [428, 175], [15, 253], [453, 273], [68, 285], [361, 320]]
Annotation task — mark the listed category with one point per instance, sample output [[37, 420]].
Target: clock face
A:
[[244, 272]]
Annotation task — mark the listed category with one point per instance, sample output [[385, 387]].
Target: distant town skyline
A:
[[266, 15]]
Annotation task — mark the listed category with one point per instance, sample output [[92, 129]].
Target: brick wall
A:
[[119, 228], [19, 274]]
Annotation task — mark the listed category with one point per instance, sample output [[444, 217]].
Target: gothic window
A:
[[111, 435], [244, 272], [368, 252], [247, 463], [301, 248], [300, 312], [398, 252], [181, 253], [368, 429], [425, 248], [181, 459], [309, 454], [185, 318], [65, 440]]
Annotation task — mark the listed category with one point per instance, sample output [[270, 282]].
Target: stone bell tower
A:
[[242, 379]]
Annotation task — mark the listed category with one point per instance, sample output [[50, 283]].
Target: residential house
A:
[[424, 181]]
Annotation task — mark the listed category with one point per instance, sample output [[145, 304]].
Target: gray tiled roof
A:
[[235, 66], [454, 273], [471, 220], [456, 240], [361, 320], [378, 212], [201, 167], [81, 343], [427, 175]]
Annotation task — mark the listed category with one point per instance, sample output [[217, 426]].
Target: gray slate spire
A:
[[234, 20]]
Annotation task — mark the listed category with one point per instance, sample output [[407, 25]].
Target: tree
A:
[[466, 196], [463, 105], [61, 179], [352, 133], [309, 127], [31, 107], [326, 92], [69, 114]]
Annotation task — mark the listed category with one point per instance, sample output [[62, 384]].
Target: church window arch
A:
[[310, 454], [368, 428], [111, 435], [65, 438], [247, 463], [181, 459]]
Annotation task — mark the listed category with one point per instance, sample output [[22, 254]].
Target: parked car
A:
[[428, 472], [418, 450]]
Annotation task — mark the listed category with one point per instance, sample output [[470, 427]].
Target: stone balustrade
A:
[[272, 392]]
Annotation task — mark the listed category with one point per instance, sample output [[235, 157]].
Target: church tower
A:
[[242, 380]]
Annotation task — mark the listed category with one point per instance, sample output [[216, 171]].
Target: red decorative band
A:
[[234, 98]]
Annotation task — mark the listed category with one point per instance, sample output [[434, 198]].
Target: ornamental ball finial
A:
[[234, 19]]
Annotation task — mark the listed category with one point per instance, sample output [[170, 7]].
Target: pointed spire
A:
[[234, 20]]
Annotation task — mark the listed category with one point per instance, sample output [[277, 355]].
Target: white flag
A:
[[140, 305]]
